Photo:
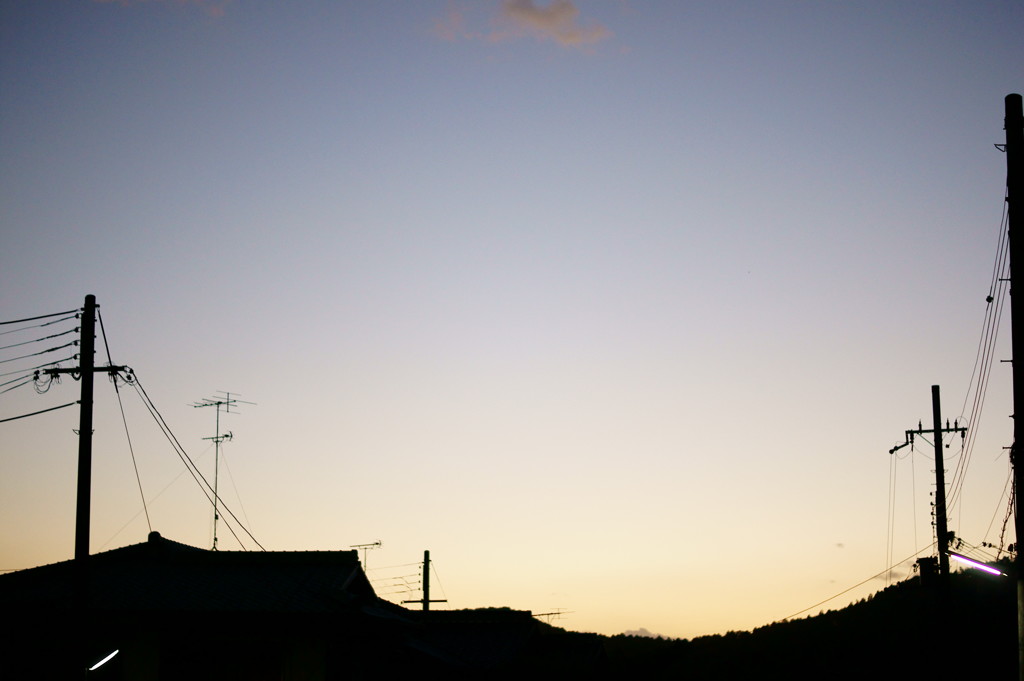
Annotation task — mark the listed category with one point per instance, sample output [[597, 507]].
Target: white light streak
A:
[[976, 564], [104, 660]]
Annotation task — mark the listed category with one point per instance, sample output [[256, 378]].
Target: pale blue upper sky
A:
[[584, 304]]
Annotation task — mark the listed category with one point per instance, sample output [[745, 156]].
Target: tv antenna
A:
[[365, 548], [225, 401], [555, 614]]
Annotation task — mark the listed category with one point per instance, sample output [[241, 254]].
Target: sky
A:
[[615, 307]]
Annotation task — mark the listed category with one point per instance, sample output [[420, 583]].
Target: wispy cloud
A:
[[453, 25], [215, 8], [558, 22]]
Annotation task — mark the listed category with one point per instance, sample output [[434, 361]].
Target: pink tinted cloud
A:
[[558, 21], [453, 25]]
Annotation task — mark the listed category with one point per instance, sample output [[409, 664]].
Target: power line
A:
[[234, 486], [39, 326], [41, 352], [984, 359], [218, 439], [999, 505], [433, 570], [178, 449], [830, 598], [41, 366], [124, 420], [36, 413], [153, 500], [43, 316], [39, 340], [24, 381], [15, 380], [193, 470]]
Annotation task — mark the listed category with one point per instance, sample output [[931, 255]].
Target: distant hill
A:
[[905, 631]]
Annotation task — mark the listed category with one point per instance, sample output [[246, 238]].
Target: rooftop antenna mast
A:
[[365, 548], [225, 401], [554, 614]]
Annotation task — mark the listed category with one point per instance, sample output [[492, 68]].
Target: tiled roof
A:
[[161, 575]]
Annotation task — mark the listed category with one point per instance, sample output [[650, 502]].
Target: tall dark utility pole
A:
[[941, 524], [86, 373], [426, 580], [87, 364], [1014, 124], [426, 600]]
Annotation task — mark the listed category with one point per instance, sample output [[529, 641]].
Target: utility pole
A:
[[941, 527], [86, 373], [940, 484], [426, 601], [217, 439], [87, 364], [1014, 125]]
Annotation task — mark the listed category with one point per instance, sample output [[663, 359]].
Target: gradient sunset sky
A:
[[616, 307]]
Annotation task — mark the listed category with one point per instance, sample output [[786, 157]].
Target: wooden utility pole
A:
[[941, 524], [426, 601], [426, 580], [87, 364], [86, 373], [1014, 124]]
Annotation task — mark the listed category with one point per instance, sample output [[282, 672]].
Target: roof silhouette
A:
[[168, 576], [177, 611]]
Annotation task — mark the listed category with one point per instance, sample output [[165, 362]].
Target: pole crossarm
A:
[[956, 428], [78, 370]]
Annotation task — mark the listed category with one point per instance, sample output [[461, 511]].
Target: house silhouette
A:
[[174, 611]]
